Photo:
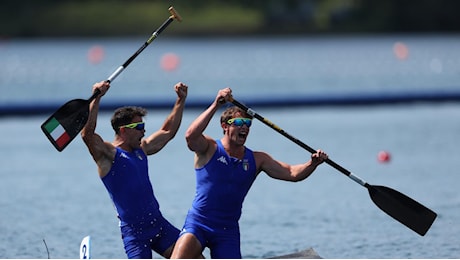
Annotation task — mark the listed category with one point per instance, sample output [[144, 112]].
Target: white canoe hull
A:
[[308, 253]]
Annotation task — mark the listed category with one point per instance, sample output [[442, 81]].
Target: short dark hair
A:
[[124, 115]]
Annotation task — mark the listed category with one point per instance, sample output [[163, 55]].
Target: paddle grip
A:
[[119, 70], [76, 116], [174, 14]]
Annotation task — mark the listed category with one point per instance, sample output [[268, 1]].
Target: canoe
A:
[[309, 253]]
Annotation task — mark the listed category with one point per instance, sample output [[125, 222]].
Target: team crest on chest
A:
[[139, 155], [245, 165]]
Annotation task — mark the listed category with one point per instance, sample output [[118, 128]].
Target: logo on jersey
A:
[[122, 154], [222, 160]]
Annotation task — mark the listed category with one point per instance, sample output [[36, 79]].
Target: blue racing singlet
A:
[[130, 188], [222, 185]]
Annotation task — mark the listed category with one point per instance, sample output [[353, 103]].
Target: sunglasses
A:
[[239, 121], [137, 126]]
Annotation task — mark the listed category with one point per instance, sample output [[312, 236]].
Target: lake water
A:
[[58, 198]]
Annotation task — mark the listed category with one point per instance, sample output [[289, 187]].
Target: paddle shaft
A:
[[397, 205], [119, 70], [297, 141], [65, 124]]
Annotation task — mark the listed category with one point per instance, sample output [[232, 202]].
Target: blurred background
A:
[[56, 18], [373, 83]]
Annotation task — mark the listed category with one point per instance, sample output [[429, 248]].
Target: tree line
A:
[[42, 18]]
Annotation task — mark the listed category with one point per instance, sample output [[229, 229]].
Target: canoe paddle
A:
[[399, 206], [65, 124]]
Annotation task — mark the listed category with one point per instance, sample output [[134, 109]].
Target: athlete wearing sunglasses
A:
[[137, 126], [123, 168], [240, 121], [225, 170]]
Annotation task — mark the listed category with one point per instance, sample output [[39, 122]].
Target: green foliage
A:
[[32, 18]]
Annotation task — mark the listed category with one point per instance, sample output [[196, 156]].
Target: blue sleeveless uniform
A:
[[142, 225], [221, 186]]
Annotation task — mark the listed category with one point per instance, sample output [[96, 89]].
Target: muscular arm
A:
[[283, 171], [101, 151], [156, 141], [204, 146], [199, 143]]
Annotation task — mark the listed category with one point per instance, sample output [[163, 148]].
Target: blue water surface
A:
[[58, 198]]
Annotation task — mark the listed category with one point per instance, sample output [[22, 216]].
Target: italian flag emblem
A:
[[57, 134]]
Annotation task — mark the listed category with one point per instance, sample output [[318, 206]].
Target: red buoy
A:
[[96, 54], [170, 61], [384, 157]]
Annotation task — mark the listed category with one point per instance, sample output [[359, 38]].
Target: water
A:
[[58, 198]]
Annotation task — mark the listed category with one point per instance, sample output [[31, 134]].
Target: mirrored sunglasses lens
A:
[[238, 122], [140, 126], [242, 121]]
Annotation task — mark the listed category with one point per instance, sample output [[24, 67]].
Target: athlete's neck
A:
[[236, 151]]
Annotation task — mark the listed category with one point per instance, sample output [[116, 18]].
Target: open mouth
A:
[[242, 134]]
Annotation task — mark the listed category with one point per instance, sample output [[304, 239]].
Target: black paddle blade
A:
[[402, 208], [65, 124]]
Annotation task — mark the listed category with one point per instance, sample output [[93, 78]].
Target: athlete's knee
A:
[[187, 246]]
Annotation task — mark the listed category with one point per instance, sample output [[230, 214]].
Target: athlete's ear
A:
[[224, 126], [121, 131]]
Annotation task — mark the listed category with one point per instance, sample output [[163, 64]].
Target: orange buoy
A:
[[96, 54], [401, 51], [169, 62]]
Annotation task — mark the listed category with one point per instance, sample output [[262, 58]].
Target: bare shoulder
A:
[[105, 159], [105, 151], [205, 154], [110, 150], [261, 158], [211, 146]]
